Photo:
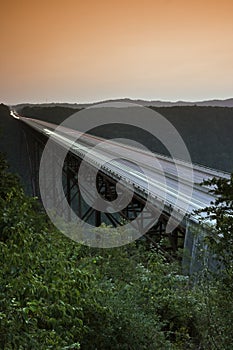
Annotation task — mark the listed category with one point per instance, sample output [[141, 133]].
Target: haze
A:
[[81, 51]]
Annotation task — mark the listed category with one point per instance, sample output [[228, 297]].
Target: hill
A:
[[153, 103], [13, 145], [207, 131]]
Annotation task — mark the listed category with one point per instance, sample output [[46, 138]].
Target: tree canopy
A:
[[57, 294]]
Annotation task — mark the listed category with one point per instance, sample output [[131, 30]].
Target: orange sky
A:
[[79, 51]]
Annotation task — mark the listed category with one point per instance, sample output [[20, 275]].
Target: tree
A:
[[220, 212], [215, 286]]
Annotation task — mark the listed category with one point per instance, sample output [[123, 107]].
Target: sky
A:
[[86, 51]]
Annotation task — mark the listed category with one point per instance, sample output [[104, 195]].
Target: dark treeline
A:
[[55, 114], [207, 133], [13, 146]]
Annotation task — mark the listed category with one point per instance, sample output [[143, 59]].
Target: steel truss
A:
[[157, 237]]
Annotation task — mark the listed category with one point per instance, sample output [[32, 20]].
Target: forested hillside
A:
[[13, 145], [207, 131], [55, 114]]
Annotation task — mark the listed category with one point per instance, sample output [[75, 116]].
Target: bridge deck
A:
[[174, 182]]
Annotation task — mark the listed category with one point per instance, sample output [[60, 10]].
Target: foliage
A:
[[40, 290], [220, 212], [57, 294], [216, 285], [148, 303]]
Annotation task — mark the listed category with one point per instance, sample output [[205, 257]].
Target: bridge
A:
[[165, 193]]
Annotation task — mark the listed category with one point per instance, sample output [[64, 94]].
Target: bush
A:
[[57, 294]]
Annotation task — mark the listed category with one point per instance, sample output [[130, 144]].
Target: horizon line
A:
[[125, 98]]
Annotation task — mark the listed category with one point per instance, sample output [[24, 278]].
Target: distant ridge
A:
[[206, 131], [155, 103]]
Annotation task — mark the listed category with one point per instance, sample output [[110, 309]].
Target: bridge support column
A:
[[105, 183]]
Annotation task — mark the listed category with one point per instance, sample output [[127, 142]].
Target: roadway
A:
[[175, 183]]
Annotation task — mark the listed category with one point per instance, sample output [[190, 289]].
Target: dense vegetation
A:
[[57, 294]]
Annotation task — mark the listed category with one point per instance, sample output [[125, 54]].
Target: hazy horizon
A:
[[116, 99], [85, 52]]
